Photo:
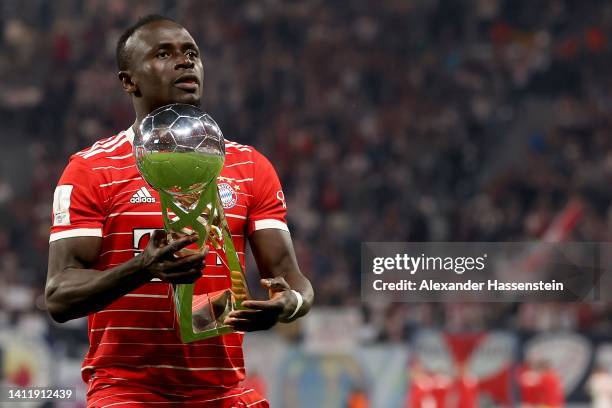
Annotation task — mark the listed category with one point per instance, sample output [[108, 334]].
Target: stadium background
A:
[[472, 120]]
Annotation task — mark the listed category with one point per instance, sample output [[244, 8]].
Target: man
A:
[[101, 265]]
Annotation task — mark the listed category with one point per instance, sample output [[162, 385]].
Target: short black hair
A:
[[121, 54]]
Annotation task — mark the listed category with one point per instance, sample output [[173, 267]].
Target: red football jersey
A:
[[136, 338]]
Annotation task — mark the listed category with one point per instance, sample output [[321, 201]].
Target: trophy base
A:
[[209, 310], [201, 316]]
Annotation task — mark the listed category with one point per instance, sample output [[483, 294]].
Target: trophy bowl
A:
[[179, 150]]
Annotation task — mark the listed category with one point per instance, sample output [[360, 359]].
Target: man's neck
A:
[[141, 113]]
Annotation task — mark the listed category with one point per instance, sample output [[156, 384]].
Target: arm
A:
[[275, 258], [75, 290]]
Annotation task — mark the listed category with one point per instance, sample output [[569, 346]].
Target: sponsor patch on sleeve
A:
[[61, 205]]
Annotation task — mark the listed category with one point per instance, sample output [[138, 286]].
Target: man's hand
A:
[[263, 314], [75, 290], [159, 259]]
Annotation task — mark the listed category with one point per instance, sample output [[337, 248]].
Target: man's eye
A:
[[162, 54], [192, 54]]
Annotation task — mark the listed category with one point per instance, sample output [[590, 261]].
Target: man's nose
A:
[[184, 62]]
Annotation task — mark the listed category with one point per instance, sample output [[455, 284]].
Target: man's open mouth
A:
[[187, 82]]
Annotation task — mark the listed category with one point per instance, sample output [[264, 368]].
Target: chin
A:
[[188, 101]]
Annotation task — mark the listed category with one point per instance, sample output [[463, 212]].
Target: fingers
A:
[[245, 314], [178, 244], [183, 270], [185, 277], [263, 322], [161, 262], [188, 261], [261, 315], [241, 325], [263, 304]]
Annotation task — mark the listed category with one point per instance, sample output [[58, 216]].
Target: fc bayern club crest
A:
[[228, 195]]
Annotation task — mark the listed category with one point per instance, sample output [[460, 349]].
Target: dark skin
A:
[[165, 67]]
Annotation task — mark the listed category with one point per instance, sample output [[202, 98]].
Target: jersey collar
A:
[[129, 132]]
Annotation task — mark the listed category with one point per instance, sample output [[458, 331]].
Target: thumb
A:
[[277, 284]]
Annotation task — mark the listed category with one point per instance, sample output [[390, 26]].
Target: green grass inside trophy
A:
[[180, 152]]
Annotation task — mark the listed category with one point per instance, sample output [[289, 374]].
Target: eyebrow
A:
[[183, 45]]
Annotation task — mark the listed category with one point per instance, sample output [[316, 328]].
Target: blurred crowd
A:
[[425, 120]]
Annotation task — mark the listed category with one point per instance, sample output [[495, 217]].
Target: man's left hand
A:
[[263, 314]]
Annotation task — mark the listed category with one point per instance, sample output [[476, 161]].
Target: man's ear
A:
[[126, 82]]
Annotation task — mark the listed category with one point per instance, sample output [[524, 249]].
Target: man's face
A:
[[165, 65]]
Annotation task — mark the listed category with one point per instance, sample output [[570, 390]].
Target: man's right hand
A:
[[74, 289], [159, 259]]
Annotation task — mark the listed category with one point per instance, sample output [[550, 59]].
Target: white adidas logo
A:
[[142, 196]]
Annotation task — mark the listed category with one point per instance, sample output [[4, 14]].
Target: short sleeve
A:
[[77, 205], [268, 208]]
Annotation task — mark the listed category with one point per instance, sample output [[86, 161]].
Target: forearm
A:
[[287, 268], [75, 292], [275, 257]]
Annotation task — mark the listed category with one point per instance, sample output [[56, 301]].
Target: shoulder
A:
[[233, 148], [236, 152], [105, 149], [91, 162]]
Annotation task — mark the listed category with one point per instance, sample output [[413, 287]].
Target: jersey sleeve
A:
[[78, 210], [268, 208]]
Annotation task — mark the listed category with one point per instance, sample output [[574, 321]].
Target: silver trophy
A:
[[180, 152]]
